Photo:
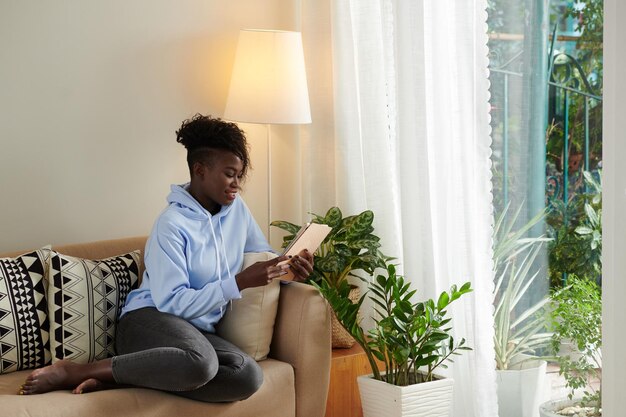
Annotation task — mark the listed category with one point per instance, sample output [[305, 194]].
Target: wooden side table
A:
[[343, 391]]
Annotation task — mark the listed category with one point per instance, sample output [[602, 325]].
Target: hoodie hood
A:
[[190, 207]]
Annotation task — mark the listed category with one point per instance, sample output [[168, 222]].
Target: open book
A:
[[309, 237]]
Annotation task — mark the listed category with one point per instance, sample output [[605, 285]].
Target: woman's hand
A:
[[301, 265], [261, 273]]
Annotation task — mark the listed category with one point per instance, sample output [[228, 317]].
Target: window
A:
[[546, 97]]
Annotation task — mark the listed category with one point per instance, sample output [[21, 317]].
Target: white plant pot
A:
[[521, 390], [549, 408], [428, 399]]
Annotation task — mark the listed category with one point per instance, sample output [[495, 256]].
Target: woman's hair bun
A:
[[202, 133]]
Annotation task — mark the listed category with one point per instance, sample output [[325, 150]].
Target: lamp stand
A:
[[269, 182]]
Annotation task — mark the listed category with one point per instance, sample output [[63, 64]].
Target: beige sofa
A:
[[296, 373]]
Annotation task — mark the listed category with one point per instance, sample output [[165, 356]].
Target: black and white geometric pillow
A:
[[24, 326], [85, 298]]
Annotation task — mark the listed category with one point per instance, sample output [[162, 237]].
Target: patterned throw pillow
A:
[[24, 322], [85, 300]]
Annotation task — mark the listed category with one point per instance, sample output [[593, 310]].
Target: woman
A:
[[165, 337]]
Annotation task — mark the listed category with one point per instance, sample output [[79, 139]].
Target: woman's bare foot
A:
[[65, 375], [91, 385], [54, 377]]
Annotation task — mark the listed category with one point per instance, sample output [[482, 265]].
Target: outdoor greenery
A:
[[349, 247], [575, 69], [574, 223], [576, 65], [589, 18], [577, 319], [576, 232], [412, 339]]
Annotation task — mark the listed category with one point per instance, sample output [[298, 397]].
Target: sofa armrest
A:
[[302, 338]]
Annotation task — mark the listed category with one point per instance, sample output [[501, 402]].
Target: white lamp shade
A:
[[268, 82]]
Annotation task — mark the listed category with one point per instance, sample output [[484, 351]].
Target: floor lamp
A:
[[268, 86]]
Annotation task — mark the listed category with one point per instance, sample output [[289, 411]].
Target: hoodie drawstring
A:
[[219, 222], [217, 254]]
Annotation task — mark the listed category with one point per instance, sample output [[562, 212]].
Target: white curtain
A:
[[412, 143]]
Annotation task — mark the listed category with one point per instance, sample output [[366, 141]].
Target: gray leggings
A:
[[162, 351]]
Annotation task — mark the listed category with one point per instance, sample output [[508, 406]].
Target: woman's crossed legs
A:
[[160, 351]]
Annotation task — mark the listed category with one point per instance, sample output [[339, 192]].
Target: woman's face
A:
[[216, 184]]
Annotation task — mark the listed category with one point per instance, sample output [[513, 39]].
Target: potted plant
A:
[[351, 246], [577, 318], [520, 331], [412, 339]]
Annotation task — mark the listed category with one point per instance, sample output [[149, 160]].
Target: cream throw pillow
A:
[[249, 321]]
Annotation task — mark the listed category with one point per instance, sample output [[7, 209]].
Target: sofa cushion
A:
[[24, 327], [85, 299], [275, 398], [249, 321]]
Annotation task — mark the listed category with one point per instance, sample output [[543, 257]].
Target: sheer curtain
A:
[[412, 143]]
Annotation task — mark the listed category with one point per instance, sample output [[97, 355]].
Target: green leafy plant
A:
[[517, 332], [350, 246], [577, 318], [412, 339], [590, 229], [576, 231]]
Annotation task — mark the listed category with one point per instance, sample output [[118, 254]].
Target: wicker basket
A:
[[340, 336]]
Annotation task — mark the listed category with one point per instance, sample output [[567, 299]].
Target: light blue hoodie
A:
[[192, 257]]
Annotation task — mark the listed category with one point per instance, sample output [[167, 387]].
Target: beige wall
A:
[[90, 96], [614, 207]]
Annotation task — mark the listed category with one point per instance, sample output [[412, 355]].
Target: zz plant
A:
[[411, 339], [350, 246]]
